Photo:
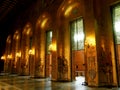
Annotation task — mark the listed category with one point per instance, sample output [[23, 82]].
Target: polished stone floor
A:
[[14, 82]]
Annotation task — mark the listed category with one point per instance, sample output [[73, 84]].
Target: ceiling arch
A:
[[16, 35], [9, 39], [27, 30], [44, 21], [68, 7]]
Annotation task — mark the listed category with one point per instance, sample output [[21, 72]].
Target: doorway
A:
[[116, 28], [48, 53], [77, 49]]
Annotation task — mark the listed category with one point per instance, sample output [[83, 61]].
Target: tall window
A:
[[77, 34], [48, 41], [116, 23]]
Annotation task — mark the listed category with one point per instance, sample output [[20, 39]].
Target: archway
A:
[[70, 26], [44, 56], [8, 55], [27, 50], [77, 47], [16, 52]]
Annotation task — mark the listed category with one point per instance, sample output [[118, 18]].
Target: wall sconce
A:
[[31, 52], [9, 56], [3, 57], [90, 42], [52, 47], [18, 54]]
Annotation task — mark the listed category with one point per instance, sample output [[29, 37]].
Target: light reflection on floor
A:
[[13, 82]]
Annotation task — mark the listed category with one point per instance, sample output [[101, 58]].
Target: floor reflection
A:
[[14, 82]]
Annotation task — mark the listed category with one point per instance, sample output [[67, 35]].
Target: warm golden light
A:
[[44, 23], [32, 51], [18, 54], [52, 47], [28, 31], [90, 41], [3, 58], [9, 56], [68, 10], [9, 39], [17, 37]]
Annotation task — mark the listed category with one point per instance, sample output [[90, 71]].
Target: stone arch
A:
[[8, 45], [8, 55], [16, 53], [9, 39], [69, 10], [44, 21], [43, 24], [26, 47], [16, 35], [27, 30]]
